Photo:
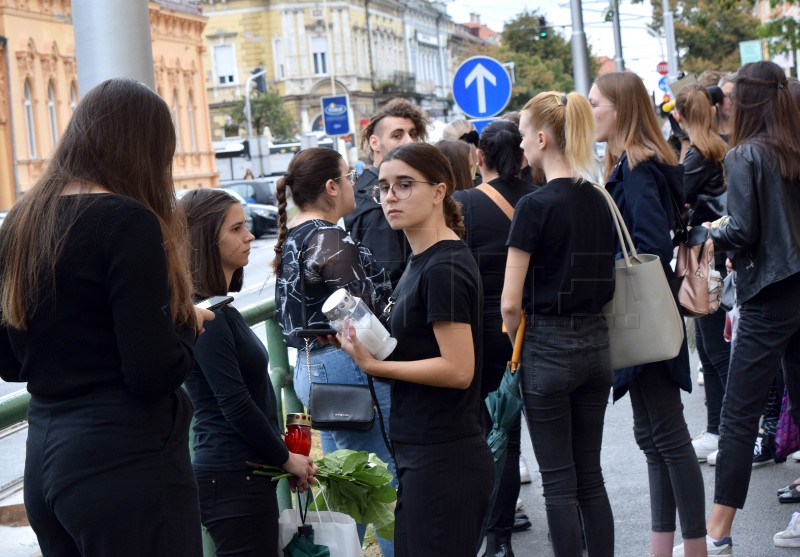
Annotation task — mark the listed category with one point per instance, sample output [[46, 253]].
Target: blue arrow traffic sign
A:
[[481, 87], [663, 84]]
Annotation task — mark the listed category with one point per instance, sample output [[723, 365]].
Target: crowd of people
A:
[[457, 244]]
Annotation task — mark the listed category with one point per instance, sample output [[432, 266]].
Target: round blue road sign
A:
[[481, 87]]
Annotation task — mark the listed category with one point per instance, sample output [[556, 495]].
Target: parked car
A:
[[259, 190], [248, 218], [265, 219]]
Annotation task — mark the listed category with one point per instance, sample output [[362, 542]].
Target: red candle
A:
[[298, 433]]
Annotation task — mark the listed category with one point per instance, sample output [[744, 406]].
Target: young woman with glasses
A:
[[322, 187], [445, 468]]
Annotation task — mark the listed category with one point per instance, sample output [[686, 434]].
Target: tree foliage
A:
[[541, 55], [708, 32], [266, 109]]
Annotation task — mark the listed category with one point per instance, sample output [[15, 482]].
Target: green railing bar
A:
[[14, 408]]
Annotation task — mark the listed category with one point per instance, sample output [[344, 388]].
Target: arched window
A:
[[73, 97], [29, 121], [192, 132], [51, 112], [176, 120]]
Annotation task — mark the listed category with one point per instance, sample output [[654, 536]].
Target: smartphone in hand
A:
[[214, 302]]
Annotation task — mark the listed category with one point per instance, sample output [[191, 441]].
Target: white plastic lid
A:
[[338, 304]]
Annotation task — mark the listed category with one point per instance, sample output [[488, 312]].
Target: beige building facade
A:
[[39, 88], [304, 46]]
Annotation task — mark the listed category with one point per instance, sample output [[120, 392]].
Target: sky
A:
[[640, 50]]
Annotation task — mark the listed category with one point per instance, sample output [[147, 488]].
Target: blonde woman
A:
[[566, 365]]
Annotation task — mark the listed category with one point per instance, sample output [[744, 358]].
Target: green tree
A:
[[708, 32], [266, 109], [542, 57]]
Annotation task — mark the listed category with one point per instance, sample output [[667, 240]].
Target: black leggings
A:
[[109, 474]]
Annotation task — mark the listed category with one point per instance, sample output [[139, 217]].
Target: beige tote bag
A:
[[644, 324]]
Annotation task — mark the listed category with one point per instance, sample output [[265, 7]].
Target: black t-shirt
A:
[[234, 403], [487, 232], [567, 228], [440, 284]]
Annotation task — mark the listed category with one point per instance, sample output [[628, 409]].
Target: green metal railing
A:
[[14, 407]]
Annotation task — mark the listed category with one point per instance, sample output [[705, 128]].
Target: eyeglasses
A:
[[401, 190], [350, 176]]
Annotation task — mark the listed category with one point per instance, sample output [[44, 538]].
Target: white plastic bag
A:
[[335, 530]]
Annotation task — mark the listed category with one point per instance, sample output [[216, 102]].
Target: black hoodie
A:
[[369, 227]]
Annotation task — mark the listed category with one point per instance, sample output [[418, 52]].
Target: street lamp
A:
[[247, 116]]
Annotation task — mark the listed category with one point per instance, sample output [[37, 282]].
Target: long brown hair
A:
[[434, 166], [121, 137], [205, 212], [308, 172], [694, 105], [457, 152], [635, 130], [765, 112]]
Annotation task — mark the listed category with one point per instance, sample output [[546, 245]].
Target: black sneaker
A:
[[763, 451]]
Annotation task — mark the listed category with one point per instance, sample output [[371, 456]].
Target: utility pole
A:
[[669, 33], [249, 118], [580, 56], [112, 39], [619, 61]]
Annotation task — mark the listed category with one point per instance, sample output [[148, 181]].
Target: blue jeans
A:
[[672, 467], [769, 333], [566, 380], [333, 365]]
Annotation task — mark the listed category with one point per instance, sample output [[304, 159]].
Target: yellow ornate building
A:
[[300, 43], [39, 88]]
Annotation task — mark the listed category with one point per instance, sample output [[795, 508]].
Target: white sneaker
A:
[[712, 458], [524, 473], [795, 455], [714, 547], [519, 504], [705, 444], [789, 537]]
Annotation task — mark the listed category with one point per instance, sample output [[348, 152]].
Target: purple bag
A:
[[787, 436]]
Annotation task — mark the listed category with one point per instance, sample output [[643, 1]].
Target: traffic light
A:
[[666, 98], [542, 28], [260, 83]]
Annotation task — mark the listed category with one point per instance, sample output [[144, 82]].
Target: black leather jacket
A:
[[764, 224]]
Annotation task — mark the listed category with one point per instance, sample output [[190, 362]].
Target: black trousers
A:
[[496, 354], [240, 511], [768, 335], [109, 474], [443, 496]]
